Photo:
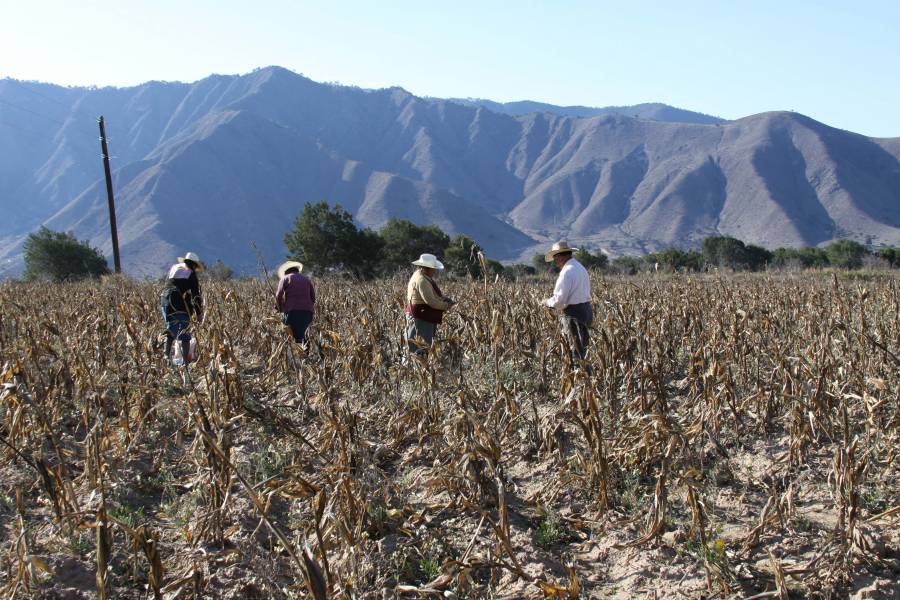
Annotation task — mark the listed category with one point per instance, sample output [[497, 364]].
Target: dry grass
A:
[[737, 436]]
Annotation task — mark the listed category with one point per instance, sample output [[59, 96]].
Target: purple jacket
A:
[[295, 292]]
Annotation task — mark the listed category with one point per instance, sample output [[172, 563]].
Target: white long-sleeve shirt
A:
[[573, 286]]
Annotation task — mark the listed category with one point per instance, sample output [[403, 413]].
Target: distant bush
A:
[[518, 270], [627, 265], [494, 267], [846, 254], [598, 261], [219, 271], [673, 259], [592, 261], [732, 253], [326, 239], [891, 255], [540, 265], [805, 258], [56, 256], [461, 256], [875, 262]]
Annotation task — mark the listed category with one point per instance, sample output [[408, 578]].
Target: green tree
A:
[[694, 260], [219, 271], [366, 252], [598, 261], [461, 256], [812, 257], [756, 257], [627, 265], [494, 267], [891, 255], [805, 258], [57, 256], [673, 259], [540, 265], [325, 237], [846, 254], [788, 258], [724, 251], [518, 270], [405, 241]]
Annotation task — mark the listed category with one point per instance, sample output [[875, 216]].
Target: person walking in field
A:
[[425, 304], [571, 298], [181, 301], [295, 298]]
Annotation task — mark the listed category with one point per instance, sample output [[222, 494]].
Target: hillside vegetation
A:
[[737, 436]]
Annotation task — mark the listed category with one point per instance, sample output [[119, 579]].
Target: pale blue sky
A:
[[834, 61]]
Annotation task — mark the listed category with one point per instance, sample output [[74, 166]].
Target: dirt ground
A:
[[414, 545]]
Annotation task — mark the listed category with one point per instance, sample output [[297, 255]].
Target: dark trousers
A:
[[419, 334], [576, 320], [298, 321]]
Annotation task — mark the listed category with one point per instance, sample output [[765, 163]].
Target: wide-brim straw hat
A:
[[287, 265], [558, 248], [192, 256], [429, 261]]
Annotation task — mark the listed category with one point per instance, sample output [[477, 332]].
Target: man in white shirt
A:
[[571, 298]]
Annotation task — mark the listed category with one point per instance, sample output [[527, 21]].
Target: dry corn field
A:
[[736, 436]]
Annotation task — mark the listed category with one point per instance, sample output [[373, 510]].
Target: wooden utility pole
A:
[[109, 197]]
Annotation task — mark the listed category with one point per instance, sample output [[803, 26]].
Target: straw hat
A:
[[558, 248], [430, 261], [192, 256], [287, 265]]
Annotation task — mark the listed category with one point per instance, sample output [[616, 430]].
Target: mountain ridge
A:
[[656, 111], [219, 163]]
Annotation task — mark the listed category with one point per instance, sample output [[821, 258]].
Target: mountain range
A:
[[653, 111], [223, 165]]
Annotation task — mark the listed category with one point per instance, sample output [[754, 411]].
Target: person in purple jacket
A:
[[295, 298]]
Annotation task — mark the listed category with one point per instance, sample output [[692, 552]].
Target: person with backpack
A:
[[181, 301]]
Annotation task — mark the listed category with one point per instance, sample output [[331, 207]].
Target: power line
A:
[[68, 107], [30, 132], [37, 93], [37, 114], [75, 122]]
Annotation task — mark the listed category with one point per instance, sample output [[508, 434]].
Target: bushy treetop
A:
[[58, 256], [326, 238], [404, 241]]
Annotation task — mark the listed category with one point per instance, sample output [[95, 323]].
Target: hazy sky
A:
[[836, 61]]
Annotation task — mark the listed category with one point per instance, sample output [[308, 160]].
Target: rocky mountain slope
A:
[[214, 165]]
